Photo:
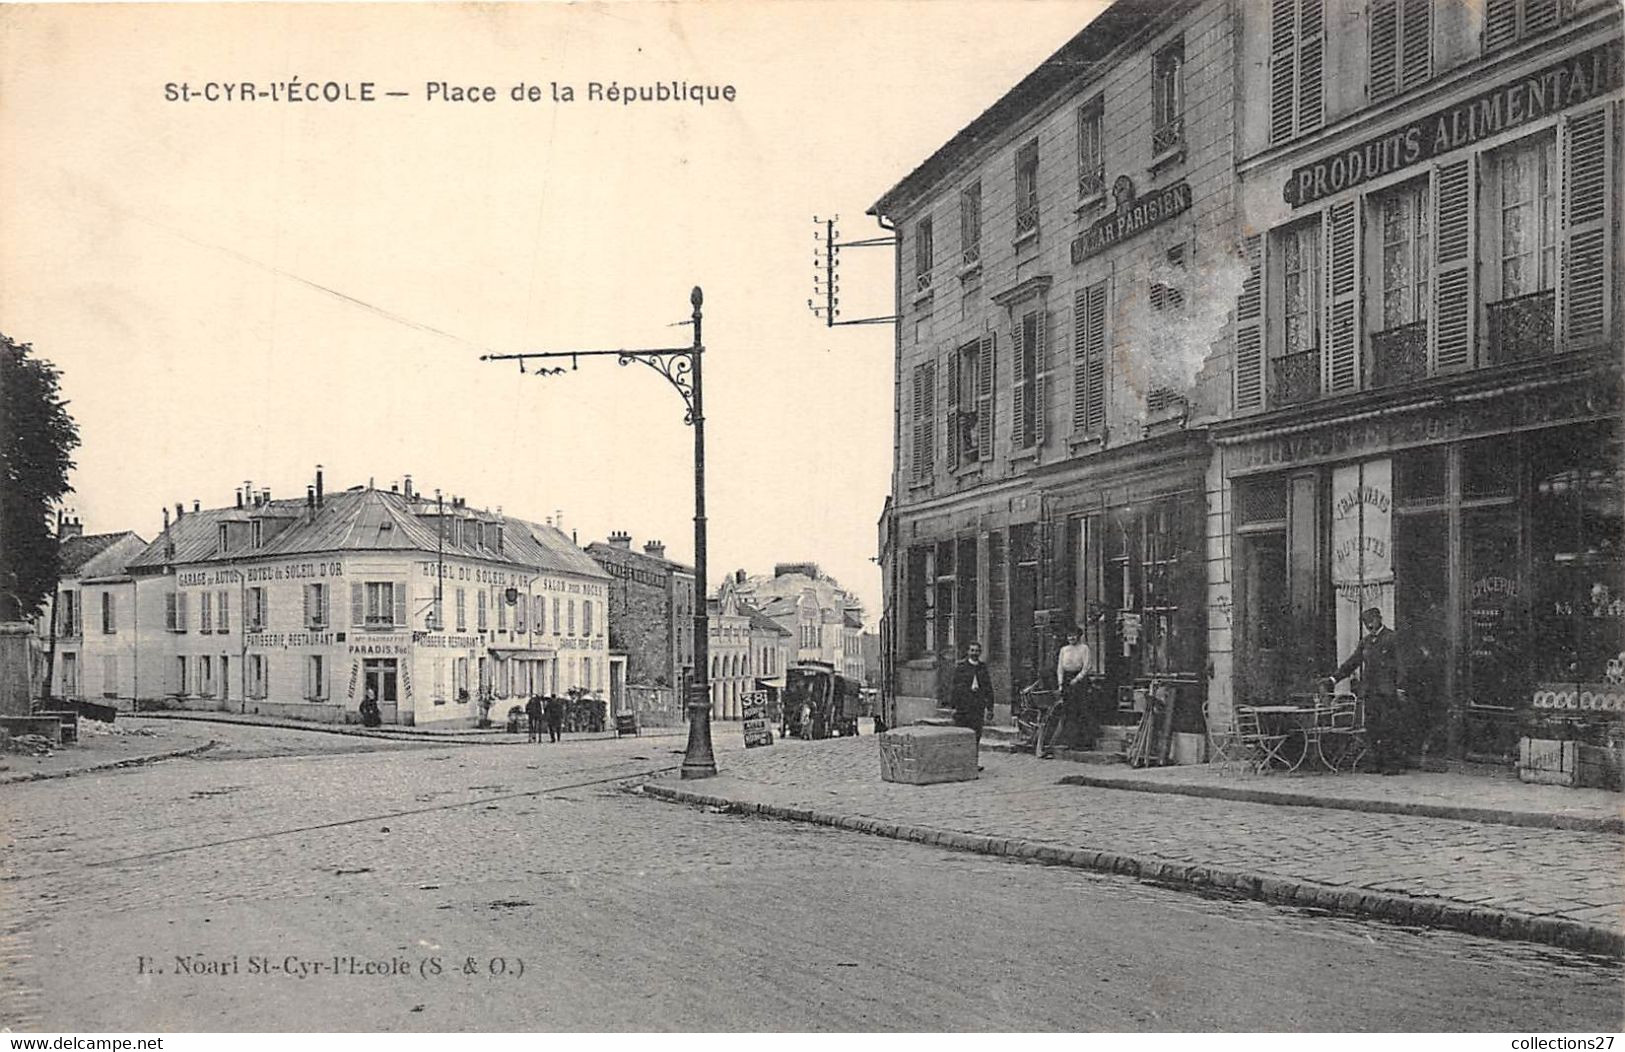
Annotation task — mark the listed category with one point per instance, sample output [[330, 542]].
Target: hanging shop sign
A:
[[753, 707], [1560, 86], [1134, 216]]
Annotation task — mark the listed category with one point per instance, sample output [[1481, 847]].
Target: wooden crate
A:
[[1546, 761], [927, 755]]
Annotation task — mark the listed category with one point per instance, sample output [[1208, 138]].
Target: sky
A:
[[244, 289]]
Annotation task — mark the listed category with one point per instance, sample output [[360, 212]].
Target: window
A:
[[1027, 190], [258, 533], [256, 675], [571, 612], [519, 610], [1168, 99], [222, 535], [1295, 351], [1297, 61], [223, 613], [175, 612], [500, 601], [206, 612], [969, 392], [558, 622], [109, 614], [1091, 151], [481, 621], [440, 681], [316, 606], [70, 675], [970, 224], [539, 613], [1027, 389], [586, 617], [1509, 21], [1401, 36], [462, 610], [256, 613], [459, 677], [68, 621], [1401, 228], [205, 677], [924, 251], [378, 604], [316, 678], [1089, 359], [586, 673], [925, 403], [180, 675], [1521, 206], [110, 676]]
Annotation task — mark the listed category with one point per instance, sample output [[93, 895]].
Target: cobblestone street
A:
[[178, 896]]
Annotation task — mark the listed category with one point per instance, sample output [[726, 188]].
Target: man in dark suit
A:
[[1387, 721], [973, 691]]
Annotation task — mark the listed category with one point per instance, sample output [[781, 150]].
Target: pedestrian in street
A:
[[370, 716], [533, 717], [1071, 671], [973, 691], [555, 719], [1387, 720]]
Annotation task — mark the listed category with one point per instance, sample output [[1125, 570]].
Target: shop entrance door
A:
[[380, 676]]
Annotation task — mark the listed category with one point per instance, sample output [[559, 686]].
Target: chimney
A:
[[558, 519], [239, 498], [408, 485], [180, 509], [621, 539], [310, 502], [654, 548], [197, 505], [70, 528], [265, 495], [394, 487], [739, 576], [166, 519], [318, 485], [248, 490], [573, 539]]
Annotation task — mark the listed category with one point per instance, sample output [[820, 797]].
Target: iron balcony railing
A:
[[1092, 184], [1520, 327], [1295, 378], [1168, 137], [1027, 219], [1400, 354]]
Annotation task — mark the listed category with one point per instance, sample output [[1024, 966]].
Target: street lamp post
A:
[[681, 368]]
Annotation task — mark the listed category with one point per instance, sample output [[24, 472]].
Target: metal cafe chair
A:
[[1264, 748], [1339, 731], [1224, 741]]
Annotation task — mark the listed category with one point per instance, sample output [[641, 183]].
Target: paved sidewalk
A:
[[101, 747], [1559, 886]]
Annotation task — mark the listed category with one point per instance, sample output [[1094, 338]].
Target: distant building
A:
[[651, 619], [823, 619], [94, 615], [748, 650]]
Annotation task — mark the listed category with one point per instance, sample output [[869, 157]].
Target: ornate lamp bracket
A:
[[676, 366]]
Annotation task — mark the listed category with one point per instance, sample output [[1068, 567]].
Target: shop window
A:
[[1421, 476], [1260, 501], [1168, 100], [970, 225], [945, 599], [1297, 63], [1294, 372], [924, 254], [1400, 227], [1088, 606], [1091, 152], [1488, 469], [1024, 554], [1497, 661], [1521, 249], [1027, 190]]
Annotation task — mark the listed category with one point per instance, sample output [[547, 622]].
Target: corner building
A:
[[1061, 359], [1427, 354]]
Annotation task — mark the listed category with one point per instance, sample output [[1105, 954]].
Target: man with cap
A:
[[1376, 655]]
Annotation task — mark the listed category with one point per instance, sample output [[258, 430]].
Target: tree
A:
[[36, 437]]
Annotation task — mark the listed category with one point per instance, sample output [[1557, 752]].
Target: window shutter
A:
[[952, 365], [310, 605], [918, 463], [1586, 147], [225, 611], [928, 422], [1539, 16], [400, 603], [1384, 38], [1500, 23], [1250, 328], [206, 611], [1018, 405], [1311, 65], [1041, 384], [1283, 67], [1454, 255], [1340, 353], [1089, 359], [180, 612], [358, 604], [1416, 43], [325, 611], [984, 398], [170, 612]]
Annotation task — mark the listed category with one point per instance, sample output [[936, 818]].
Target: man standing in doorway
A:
[[1386, 715], [973, 691]]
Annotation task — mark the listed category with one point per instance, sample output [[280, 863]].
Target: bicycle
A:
[[1038, 720]]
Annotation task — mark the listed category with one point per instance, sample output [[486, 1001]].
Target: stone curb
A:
[[347, 730], [133, 761], [1287, 798], [1360, 902]]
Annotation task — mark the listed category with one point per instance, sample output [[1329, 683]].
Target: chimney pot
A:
[[180, 509], [166, 518], [318, 485], [239, 498], [265, 495], [197, 505], [408, 485]]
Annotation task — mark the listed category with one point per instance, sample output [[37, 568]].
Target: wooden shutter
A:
[[1018, 385], [1384, 40], [170, 612], [1089, 359], [951, 363], [1500, 23], [928, 422], [310, 605], [358, 604], [400, 602], [1340, 350], [225, 612], [325, 612], [916, 459], [1041, 382], [1454, 307], [1250, 328], [1311, 65], [206, 612], [180, 612], [984, 398], [1586, 147], [1539, 16], [1283, 68], [1415, 43]]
